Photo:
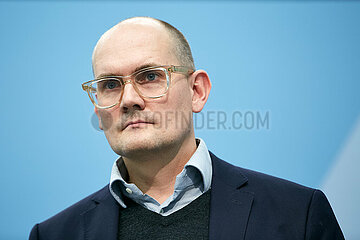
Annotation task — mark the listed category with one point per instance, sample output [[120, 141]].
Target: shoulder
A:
[[71, 217], [81, 206], [268, 183], [260, 184], [275, 203]]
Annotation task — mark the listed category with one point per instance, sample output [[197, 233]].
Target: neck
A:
[[156, 174]]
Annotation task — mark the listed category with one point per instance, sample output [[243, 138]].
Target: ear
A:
[[201, 87], [97, 113]]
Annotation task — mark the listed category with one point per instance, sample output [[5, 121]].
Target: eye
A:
[[109, 84], [151, 76]]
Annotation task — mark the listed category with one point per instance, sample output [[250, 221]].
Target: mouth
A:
[[136, 124]]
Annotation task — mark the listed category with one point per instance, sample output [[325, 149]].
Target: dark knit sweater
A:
[[190, 222]]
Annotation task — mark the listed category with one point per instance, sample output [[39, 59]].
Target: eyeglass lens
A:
[[150, 83]]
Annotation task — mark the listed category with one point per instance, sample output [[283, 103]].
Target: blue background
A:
[[297, 61]]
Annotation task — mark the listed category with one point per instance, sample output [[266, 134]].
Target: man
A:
[[166, 184]]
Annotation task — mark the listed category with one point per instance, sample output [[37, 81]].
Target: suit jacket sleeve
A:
[[321, 223]]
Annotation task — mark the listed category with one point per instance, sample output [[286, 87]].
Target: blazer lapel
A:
[[230, 206], [101, 220]]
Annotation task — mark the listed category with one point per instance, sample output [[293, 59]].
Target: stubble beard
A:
[[148, 142]]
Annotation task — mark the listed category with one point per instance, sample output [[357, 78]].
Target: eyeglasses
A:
[[150, 82]]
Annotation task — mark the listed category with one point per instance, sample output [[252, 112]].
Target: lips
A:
[[136, 123]]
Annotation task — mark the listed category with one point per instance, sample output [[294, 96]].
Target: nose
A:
[[130, 99]]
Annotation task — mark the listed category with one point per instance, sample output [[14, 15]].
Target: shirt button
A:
[[128, 190]]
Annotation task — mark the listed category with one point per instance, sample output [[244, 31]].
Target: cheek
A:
[[183, 101], [177, 112], [175, 104], [107, 119]]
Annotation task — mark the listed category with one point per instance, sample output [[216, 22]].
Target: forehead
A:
[[130, 45]]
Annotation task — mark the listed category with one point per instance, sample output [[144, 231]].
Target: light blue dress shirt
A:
[[191, 183]]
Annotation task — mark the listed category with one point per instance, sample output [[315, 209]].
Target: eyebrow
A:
[[146, 65]]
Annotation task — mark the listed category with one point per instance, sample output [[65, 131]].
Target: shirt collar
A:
[[200, 160]]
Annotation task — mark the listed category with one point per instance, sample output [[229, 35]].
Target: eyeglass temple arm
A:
[[87, 88], [182, 69]]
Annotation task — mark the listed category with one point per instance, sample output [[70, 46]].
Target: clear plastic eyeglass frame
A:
[[167, 69]]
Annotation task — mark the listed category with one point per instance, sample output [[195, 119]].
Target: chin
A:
[[137, 145]]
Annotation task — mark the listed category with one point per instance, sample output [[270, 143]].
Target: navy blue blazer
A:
[[244, 205]]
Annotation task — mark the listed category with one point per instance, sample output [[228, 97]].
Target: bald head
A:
[[178, 45]]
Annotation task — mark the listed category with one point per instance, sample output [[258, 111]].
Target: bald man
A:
[[165, 183]]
